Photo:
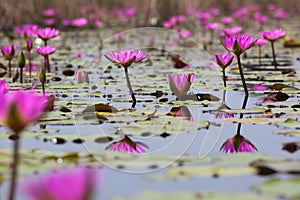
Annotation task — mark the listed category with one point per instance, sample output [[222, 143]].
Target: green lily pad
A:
[[289, 123], [288, 188], [203, 195]]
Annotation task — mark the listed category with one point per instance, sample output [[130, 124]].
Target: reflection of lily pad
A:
[[100, 107], [266, 167]]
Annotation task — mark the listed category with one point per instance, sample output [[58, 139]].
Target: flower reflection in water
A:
[[126, 145], [181, 111], [238, 143]]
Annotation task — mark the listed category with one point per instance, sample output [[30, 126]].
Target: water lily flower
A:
[[259, 87], [260, 42], [223, 62], [271, 7], [81, 77], [180, 84], [66, 22], [8, 52], [79, 22], [281, 14], [272, 36], [226, 20], [126, 145], [238, 44], [19, 109], [260, 18], [119, 37], [76, 183], [27, 30], [49, 22], [129, 12], [238, 144], [45, 50], [98, 23], [185, 34], [212, 26], [126, 57], [34, 68], [47, 33], [29, 45], [3, 87], [49, 12], [231, 31]]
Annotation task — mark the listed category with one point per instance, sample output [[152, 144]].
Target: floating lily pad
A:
[[288, 188], [203, 195]]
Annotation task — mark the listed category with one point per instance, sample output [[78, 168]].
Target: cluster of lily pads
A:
[[20, 109]]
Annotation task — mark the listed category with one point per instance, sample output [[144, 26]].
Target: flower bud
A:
[[42, 75], [21, 60], [29, 45]]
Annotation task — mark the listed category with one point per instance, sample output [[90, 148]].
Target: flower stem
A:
[[224, 78], [21, 75], [14, 170], [30, 67], [242, 74], [9, 68], [130, 88], [43, 85], [242, 115], [259, 55], [47, 63], [274, 57]]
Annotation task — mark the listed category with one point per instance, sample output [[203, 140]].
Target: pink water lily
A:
[[49, 22], [49, 12], [47, 33], [259, 87], [27, 30], [223, 60], [180, 84], [81, 77], [79, 22], [126, 145], [3, 87], [8, 51], [226, 20], [45, 50], [212, 26], [273, 35], [126, 57], [19, 109], [185, 34], [238, 144], [260, 42], [231, 31], [76, 183], [238, 43]]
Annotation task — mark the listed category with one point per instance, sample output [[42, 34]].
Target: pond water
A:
[[55, 133]]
